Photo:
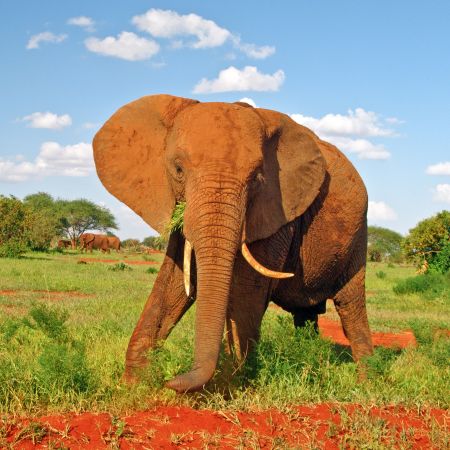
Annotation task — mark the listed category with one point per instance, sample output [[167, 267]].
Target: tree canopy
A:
[[429, 241], [384, 244]]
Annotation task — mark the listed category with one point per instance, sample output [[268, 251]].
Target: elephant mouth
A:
[[245, 253]]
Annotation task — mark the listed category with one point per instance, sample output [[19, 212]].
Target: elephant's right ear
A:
[[129, 156]]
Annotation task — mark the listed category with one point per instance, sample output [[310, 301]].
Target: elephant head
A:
[[243, 173]]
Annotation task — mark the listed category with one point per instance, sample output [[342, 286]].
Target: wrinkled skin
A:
[[247, 175], [92, 241], [114, 243]]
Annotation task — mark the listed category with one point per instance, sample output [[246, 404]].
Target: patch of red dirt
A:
[[108, 261], [333, 330], [321, 426]]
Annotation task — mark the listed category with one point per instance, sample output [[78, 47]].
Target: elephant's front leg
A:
[[165, 306]]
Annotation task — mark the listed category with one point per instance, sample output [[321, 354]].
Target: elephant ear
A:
[[293, 172], [129, 152]]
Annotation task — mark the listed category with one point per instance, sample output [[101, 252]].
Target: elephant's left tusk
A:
[[260, 268], [187, 266]]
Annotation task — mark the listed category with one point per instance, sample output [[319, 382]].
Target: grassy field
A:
[[64, 331]]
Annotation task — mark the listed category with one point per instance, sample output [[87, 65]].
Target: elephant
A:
[[272, 213], [64, 243], [90, 241], [113, 242]]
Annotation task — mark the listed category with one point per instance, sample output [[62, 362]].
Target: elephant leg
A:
[[350, 302], [165, 306]]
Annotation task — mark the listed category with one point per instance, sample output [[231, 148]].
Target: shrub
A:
[[381, 275], [14, 227], [431, 285], [152, 270]]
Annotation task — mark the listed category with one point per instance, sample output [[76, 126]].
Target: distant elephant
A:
[[90, 241], [272, 213], [114, 243], [64, 243]]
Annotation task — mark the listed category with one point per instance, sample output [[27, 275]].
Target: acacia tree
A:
[[429, 241], [78, 216], [384, 244]]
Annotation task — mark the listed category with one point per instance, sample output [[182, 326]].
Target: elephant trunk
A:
[[213, 224]]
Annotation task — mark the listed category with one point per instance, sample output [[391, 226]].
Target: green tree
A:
[[45, 224], [14, 227], [384, 244], [429, 241], [155, 242], [78, 216]]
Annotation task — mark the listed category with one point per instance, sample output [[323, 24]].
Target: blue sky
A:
[[373, 77]]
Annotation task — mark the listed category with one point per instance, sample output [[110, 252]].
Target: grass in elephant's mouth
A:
[[57, 361]]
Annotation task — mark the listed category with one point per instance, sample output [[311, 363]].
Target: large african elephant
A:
[[90, 241], [272, 213]]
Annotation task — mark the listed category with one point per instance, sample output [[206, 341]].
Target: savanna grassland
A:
[[65, 321], [65, 325]]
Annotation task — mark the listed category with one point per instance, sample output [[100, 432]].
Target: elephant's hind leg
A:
[[350, 304]]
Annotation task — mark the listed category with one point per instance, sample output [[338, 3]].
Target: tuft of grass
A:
[[152, 270], [120, 267], [176, 221], [381, 275]]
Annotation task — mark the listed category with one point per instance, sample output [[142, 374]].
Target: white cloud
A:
[[248, 79], [53, 159], [380, 211], [46, 36], [48, 120], [363, 148], [169, 24], [91, 125], [126, 46], [248, 100], [254, 51], [87, 23], [442, 168], [358, 122], [206, 33], [442, 193], [350, 131]]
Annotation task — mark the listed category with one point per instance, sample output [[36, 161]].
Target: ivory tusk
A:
[[187, 266], [260, 268]]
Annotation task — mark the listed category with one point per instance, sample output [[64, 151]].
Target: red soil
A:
[[136, 263], [319, 426], [333, 330]]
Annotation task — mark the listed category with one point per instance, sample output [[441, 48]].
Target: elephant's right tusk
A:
[[187, 266], [260, 268]]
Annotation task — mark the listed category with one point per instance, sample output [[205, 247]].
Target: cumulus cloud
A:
[[204, 33], [442, 168], [350, 131], [46, 36], [53, 159], [87, 23], [248, 100], [358, 122], [126, 46], [442, 193], [380, 211], [48, 120], [248, 79]]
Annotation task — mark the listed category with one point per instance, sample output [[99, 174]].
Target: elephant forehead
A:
[[219, 129]]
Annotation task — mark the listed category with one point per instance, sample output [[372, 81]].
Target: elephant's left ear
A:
[[292, 174]]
